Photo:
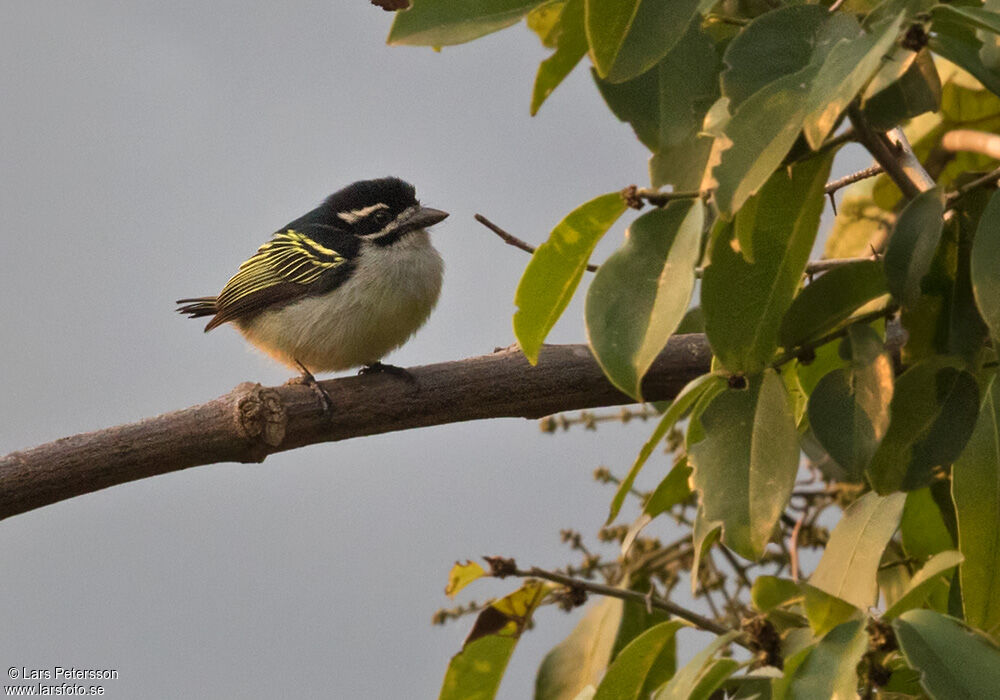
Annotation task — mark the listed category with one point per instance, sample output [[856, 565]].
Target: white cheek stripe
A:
[[355, 214]]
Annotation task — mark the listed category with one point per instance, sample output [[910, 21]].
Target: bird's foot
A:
[[379, 368], [309, 380]]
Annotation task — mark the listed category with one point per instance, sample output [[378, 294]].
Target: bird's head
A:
[[381, 211]]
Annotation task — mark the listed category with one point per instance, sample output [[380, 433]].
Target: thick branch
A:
[[252, 421], [893, 152]]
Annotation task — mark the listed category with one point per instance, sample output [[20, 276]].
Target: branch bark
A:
[[252, 421]]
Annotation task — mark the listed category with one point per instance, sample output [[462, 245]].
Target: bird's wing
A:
[[283, 269]]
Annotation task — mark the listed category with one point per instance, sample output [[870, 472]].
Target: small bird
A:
[[339, 287]]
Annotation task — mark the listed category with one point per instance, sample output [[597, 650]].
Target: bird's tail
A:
[[197, 307]]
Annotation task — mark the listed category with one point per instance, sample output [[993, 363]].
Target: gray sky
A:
[[146, 149]]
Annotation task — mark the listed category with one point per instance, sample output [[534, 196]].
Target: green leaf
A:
[[985, 270], [666, 107], [830, 669], [571, 46], [954, 661], [932, 414], [556, 267], [743, 302], [608, 22], [848, 67], [848, 566], [686, 680], [973, 16], [712, 677], [849, 408], [704, 534], [443, 22], [922, 582], [682, 403], [627, 676], [922, 529], [957, 42], [475, 672], [641, 292], [672, 490], [544, 22], [976, 492], [831, 299], [744, 469], [770, 592], [656, 29], [580, 659], [773, 45], [907, 85], [462, 575], [765, 125], [913, 244], [825, 611]]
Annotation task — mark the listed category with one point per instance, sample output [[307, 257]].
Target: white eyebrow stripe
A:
[[355, 214]]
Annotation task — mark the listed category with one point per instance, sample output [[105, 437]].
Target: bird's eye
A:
[[382, 216]]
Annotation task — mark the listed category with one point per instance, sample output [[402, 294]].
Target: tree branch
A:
[[506, 567], [252, 421], [893, 152]]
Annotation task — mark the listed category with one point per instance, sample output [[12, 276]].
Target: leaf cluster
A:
[[877, 377]]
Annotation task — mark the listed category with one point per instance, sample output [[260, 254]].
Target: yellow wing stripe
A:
[[289, 256]]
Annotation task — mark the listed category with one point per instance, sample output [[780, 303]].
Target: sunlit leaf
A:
[[656, 29], [830, 669], [905, 86], [570, 45], [640, 293], [443, 22], [580, 659], [686, 680], [744, 469], [932, 414], [556, 267], [681, 404], [462, 575], [976, 492], [769, 592], [921, 583], [475, 672], [954, 661], [956, 40], [627, 676], [825, 611], [743, 302], [608, 22], [847, 568]]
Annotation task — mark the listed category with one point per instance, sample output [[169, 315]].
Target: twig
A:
[[812, 268], [991, 177], [634, 196], [797, 352], [511, 239], [835, 185], [793, 548], [694, 618]]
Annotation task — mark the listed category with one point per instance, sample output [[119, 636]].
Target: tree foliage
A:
[[743, 105]]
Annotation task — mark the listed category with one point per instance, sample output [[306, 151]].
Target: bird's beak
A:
[[425, 216]]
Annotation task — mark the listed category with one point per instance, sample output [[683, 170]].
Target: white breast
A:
[[388, 297]]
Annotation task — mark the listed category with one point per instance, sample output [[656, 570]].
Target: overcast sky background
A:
[[146, 149]]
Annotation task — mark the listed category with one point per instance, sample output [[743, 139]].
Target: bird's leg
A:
[[309, 380], [379, 368]]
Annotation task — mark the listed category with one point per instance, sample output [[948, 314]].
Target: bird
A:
[[339, 287]]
